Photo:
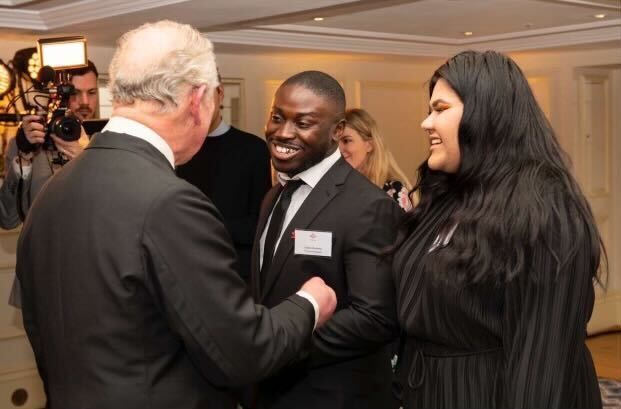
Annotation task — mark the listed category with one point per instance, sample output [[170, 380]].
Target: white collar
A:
[[221, 129], [128, 126], [313, 175]]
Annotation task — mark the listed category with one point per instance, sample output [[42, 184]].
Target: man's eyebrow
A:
[[303, 114]]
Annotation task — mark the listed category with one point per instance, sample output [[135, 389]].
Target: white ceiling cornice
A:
[[72, 13], [76, 13], [328, 43], [24, 19], [338, 32], [12, 3], [603, 34], [589, 3], [327, 39], [89, 10]]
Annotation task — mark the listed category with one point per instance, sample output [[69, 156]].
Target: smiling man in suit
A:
[[130, 299], [325, 219]]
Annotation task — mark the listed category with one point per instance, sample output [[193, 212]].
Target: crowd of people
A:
[[158, 268]]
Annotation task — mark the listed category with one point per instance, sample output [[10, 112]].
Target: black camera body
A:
[[62, 122]]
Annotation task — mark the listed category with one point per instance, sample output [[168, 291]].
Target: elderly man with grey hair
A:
[[129, 296]]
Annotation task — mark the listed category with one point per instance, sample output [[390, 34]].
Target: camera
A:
[[58, 56], [61, 121]]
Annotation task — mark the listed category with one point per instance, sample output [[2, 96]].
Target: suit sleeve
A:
[[189, 258], [243, 228], [545, 316], [369, 321], [29, 317]]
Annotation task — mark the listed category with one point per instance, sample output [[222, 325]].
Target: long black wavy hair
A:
[[512, 184]]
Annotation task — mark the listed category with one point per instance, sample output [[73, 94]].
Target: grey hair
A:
[[175, 59]]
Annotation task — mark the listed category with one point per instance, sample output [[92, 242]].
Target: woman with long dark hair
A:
[[495, 266]]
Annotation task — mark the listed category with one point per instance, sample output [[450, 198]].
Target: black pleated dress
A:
[[514, 345]]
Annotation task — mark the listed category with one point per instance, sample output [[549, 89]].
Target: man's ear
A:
[[197, 100], [339, 129], [220, 95]]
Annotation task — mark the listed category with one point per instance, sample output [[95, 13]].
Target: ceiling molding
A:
[[15, 3], [76, 13], [342, 32], [598, 35], [89, 10], [21, 19], [338, 32], [328, 43], [304, 15], [594, 4], [291, 36]]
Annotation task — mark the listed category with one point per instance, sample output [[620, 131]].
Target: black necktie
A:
[[278, 217]]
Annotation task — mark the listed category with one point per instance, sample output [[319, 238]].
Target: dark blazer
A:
[[129, 296], [349, 365], [233, 171]]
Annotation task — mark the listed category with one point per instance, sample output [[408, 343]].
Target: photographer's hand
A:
[[71, 149], [34, 131]]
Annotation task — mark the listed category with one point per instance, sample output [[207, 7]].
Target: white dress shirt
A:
[[130, 127]]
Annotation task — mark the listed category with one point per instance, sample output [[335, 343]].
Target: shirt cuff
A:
[[25, 170], [312, 300]]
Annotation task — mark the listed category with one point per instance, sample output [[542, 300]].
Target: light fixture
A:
[[26, 62], [599, 15], [34, 65], [318, 19], [7, 79], [63, 53], [468, 33]]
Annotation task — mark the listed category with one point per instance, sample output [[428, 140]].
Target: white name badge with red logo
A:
[[313, 243]]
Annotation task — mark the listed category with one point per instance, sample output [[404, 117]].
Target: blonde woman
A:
[[363, 147]]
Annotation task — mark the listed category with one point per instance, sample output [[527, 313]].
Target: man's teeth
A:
[[283, 149], [436, 141]]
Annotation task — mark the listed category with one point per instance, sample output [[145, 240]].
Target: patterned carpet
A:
[[611, 393]]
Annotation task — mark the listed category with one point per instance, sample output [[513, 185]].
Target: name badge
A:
[[313, 243]]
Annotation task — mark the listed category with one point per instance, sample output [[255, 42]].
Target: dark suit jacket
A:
[[233, 171], [349, 366], [129, 296]]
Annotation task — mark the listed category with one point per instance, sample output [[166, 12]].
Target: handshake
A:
[[324, 296]]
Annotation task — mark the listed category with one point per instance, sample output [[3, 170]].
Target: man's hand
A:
[[73, 148], [325, 297], [34, 131]]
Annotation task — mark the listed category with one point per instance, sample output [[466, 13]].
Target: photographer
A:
[[28, 165]]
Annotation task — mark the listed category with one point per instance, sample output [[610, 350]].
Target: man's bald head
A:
[[160, 62]]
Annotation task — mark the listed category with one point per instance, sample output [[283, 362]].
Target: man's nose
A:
[[286, 130], [81, 98]]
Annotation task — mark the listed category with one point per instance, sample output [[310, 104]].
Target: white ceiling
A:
[[397, 27]]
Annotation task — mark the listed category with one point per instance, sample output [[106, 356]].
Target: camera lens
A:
[[67, 128]]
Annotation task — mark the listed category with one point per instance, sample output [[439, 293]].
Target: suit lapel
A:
[[266, 208], [327, 188]]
